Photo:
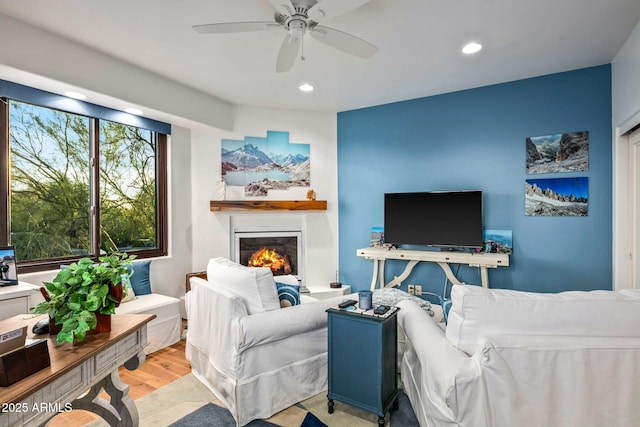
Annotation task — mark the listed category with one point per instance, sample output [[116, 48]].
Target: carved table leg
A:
[[120, 410], [374, 279]]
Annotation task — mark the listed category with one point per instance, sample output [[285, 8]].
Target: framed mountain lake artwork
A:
[[260, 164]]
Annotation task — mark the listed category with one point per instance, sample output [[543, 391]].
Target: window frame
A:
[[161, 170]]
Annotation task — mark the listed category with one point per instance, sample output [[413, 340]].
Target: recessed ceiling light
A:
[[306, 87], [472, 47], [135, 111], [75, 95]]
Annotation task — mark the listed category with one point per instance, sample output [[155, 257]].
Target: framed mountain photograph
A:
[[557, 197], [560, 152]]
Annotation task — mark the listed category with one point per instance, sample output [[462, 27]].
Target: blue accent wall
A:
[[475, 139]]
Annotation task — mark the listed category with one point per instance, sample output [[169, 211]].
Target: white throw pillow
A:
[[477, 312], [254, 284]]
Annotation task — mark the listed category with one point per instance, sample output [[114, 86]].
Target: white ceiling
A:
[[419, 44]]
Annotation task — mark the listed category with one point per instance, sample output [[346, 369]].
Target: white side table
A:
[[16, 299], [325, 292]]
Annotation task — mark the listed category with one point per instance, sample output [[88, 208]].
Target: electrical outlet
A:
[[418, 289], [410, 289]]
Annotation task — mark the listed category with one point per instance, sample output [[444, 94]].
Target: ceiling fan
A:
[[298, 17]]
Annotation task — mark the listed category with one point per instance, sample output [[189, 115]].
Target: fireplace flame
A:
[[271, 259]]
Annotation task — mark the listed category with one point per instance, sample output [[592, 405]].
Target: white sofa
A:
[[509, 358], [256, 357], [166, 328]]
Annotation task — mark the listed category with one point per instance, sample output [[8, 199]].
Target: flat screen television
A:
[[447, 219]]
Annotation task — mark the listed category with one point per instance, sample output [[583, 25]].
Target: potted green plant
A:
[[82, 296]]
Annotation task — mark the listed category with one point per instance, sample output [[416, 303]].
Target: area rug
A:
[[211, 415], [186, 402]]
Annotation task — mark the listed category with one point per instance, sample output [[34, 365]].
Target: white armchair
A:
[[257, 361], [511, 358]]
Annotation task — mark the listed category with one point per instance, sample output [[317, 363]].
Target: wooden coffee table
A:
[[78, 373]]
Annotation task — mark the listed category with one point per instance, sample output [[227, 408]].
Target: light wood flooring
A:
[[159, 369]]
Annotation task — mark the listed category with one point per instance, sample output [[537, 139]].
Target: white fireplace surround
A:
[[266, 232]]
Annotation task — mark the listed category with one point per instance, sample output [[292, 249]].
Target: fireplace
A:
[[279, 249]]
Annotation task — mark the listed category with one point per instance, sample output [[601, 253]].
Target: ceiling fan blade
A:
[[235, 27], [277, 3], [287, 54], [327, 9], [343, 41]]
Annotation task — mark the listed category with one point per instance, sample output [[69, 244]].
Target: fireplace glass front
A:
[[280, 251]]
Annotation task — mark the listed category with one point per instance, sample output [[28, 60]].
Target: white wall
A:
[[626, 82], [211, 231], [625, 74]]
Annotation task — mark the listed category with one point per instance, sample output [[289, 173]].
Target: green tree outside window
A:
[[53, 202]]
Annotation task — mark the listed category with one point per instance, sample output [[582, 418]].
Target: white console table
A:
[[443, 259]]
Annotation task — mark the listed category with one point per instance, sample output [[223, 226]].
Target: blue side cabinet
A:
[[363, 360]]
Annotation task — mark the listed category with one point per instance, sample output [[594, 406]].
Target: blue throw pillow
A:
[[140, 278], [289, 295]]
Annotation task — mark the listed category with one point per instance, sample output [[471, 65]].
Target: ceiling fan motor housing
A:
[[295, 23]]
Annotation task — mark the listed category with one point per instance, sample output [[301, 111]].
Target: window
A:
[[79, 186]]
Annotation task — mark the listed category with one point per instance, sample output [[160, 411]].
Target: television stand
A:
[[443, 259]]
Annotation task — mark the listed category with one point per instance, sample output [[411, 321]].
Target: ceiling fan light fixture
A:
[[297, 28], [471, 48], [306, 87]]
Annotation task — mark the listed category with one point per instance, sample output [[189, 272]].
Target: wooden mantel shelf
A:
[[268, 205]]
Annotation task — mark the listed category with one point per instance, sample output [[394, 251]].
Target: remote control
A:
[[347, 303], [381, 309]]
